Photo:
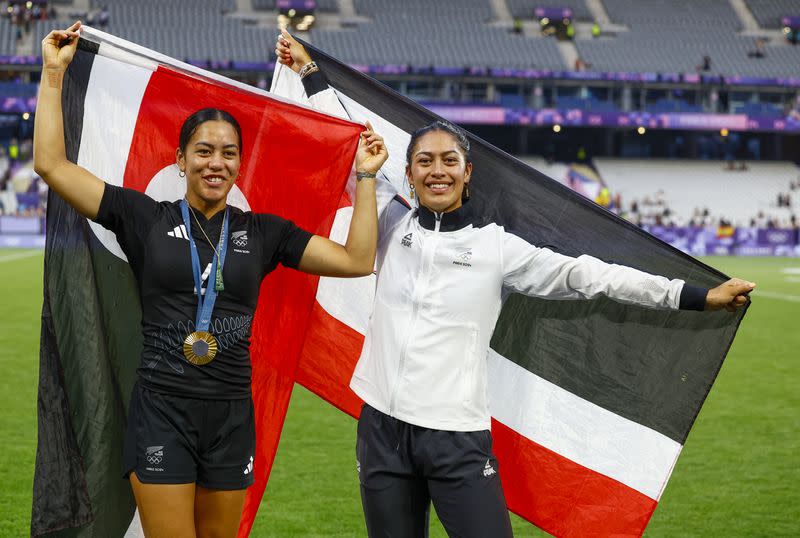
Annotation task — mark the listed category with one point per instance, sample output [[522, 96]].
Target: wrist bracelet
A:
[[310, 67], [364, 175]]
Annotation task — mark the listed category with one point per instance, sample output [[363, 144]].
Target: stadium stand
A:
[[8, 40], [263, 5], [768, 13], [19, 89], [324, 6], [667, 37], [736, 196], [190, 29], [674, 36], [658, 35], [457, 31], [523, 9], [554, 170]]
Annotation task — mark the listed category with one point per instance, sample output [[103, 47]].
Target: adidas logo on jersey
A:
[[179, 232], [406, 241], [488, 470]]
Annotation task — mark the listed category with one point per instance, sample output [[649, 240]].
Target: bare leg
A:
[[166, 510], [217, 512]]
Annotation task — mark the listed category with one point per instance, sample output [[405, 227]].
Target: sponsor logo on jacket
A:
[[464, 258]]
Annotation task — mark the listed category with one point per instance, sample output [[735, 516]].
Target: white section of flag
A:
[[396, 139], [347, 299], [110, 110], [587, 434]]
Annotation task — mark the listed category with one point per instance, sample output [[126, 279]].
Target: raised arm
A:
[[79, 187], [357, 256], [320, 95]]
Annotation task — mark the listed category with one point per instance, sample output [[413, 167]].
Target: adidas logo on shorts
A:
[[249, 468], [488, 470]]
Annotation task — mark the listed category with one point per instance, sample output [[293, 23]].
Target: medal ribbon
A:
[[205, 305]]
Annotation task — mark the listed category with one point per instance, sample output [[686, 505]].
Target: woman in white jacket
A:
[[424, 431]]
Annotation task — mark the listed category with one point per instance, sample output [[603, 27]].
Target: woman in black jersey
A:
[[190, 442], [424, 431]]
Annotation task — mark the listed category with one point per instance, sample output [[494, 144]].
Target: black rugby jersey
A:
[[153, 236]]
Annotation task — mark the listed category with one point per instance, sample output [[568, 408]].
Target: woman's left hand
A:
[[372, 152]]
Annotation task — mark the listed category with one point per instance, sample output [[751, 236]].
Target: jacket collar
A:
[[450, 221]]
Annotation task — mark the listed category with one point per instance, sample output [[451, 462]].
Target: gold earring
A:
[[412, 191], [466, 191]]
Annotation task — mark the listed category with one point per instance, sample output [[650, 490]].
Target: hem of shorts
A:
[[146, 479], [360, 390], [224, 486]]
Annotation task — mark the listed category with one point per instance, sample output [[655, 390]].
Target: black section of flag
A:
[[652, 367], [90, 346]]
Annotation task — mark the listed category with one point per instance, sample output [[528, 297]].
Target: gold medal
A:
[[200, 348]]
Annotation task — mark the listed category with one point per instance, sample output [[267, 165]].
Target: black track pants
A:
[[402, 468]]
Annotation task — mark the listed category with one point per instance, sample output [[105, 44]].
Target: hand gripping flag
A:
[[591, 401], [123, 109]]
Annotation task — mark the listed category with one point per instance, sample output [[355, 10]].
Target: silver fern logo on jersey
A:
[[239, 238]]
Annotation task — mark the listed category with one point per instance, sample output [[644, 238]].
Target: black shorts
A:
[[402, 468], [177, 440]]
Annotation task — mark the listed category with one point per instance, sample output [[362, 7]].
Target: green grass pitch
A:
[[738, 474]]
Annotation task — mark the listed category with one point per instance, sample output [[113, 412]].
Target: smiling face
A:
[[438, 170], [211, 162]]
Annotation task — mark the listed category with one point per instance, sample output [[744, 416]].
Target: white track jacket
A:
[[441, 281]]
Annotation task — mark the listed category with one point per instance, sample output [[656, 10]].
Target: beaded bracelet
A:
[[310, 67]]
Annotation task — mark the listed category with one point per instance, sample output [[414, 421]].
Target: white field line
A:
[[778, 296], [20, 255]]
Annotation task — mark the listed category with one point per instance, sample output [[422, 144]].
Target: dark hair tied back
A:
[[200, 117], [439, 125]]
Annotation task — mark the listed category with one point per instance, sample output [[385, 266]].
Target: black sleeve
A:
[[693, 298], [315, 83], [130, 215], [284, 242]]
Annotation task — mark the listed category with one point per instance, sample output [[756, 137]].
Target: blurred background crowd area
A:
[[670, 113]]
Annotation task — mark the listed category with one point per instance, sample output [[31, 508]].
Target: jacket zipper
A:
[[414, 313]]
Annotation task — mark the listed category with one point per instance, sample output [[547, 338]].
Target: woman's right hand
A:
[[59, 46], [291, 53], [372, 152]]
